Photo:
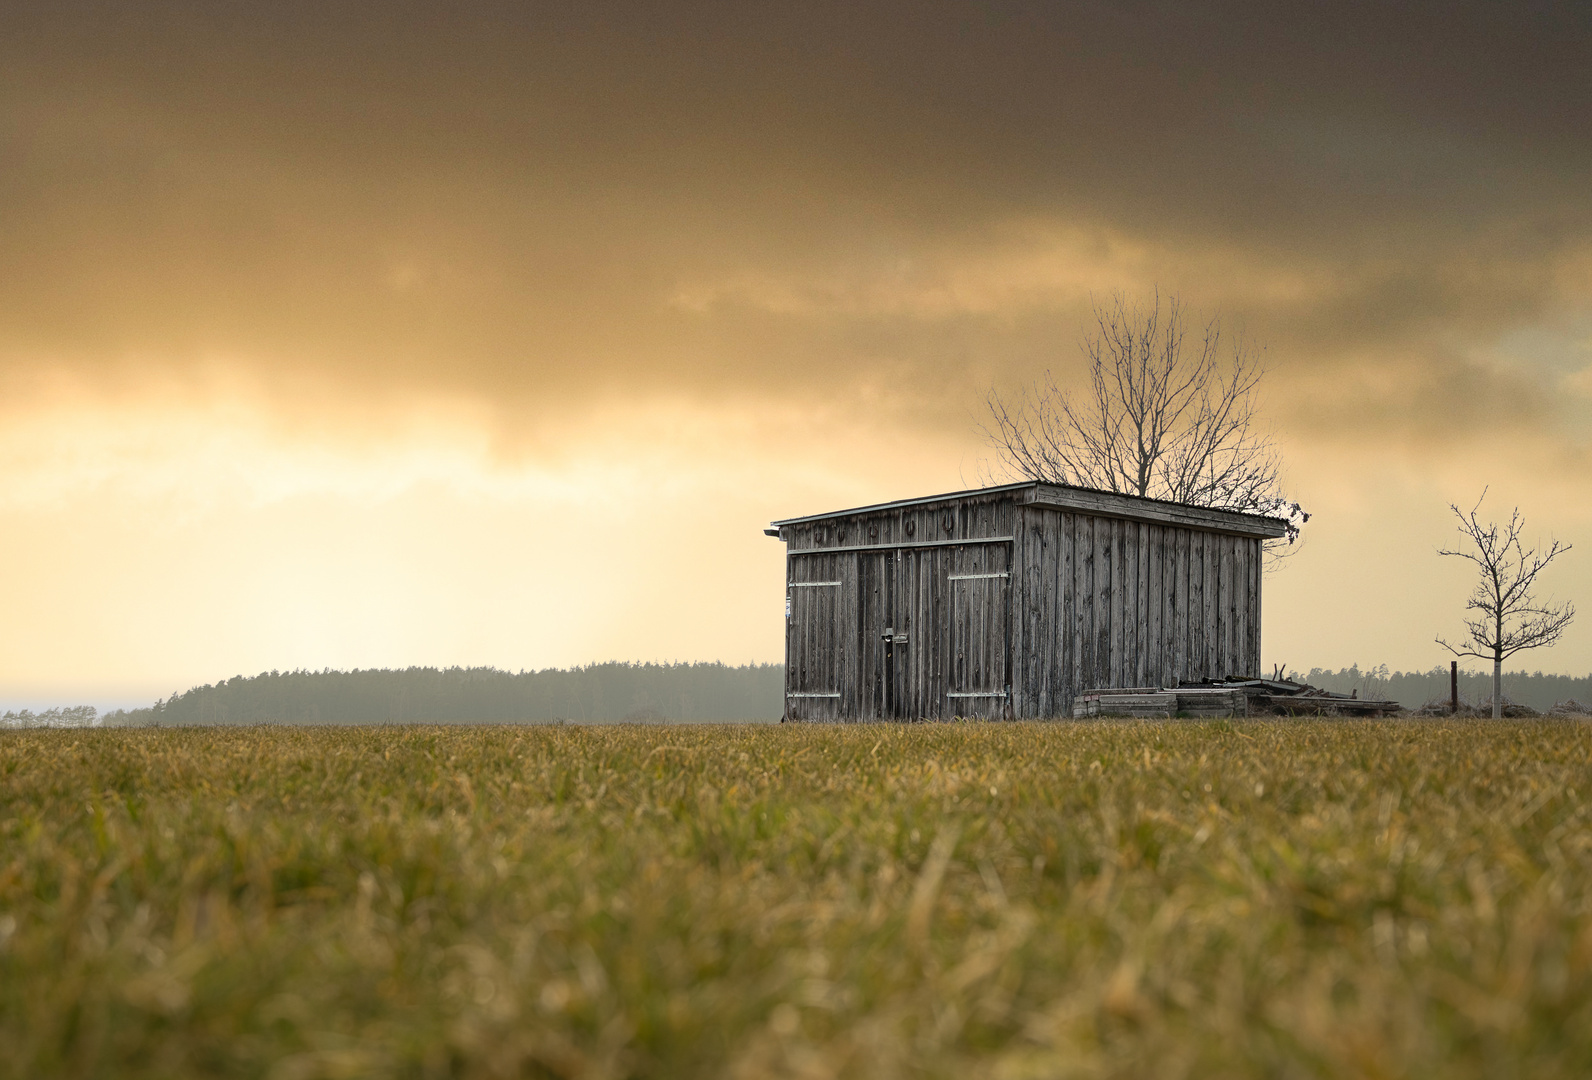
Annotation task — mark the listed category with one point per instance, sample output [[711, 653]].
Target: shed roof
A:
[[1088, 501]]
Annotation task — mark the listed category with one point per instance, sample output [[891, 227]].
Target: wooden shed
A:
[[1007, 602]]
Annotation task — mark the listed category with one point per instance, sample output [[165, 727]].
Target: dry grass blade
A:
[[1313, 898]]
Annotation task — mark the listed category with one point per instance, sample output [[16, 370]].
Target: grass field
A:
[[1221, 899]]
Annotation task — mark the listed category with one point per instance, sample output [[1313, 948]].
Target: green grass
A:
[[1206, 899]]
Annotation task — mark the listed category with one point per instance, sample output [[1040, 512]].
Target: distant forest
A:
[[650, 693], [1412, 689], [656, 693]]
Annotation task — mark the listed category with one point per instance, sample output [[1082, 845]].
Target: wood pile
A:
[[1226, 697]]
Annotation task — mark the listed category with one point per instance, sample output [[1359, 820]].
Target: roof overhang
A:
[[1086, 501]]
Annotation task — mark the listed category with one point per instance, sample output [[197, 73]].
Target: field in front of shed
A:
[[1243, 898]]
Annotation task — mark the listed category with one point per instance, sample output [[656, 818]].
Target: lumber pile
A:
[[1226, 697]]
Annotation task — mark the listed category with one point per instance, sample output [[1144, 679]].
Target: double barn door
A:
[[899, 633]]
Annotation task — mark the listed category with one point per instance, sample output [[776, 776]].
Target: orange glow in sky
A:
[[335, 338]]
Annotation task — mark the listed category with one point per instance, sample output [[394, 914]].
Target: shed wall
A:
[[1107, 602], [983, 625], [938, 580]]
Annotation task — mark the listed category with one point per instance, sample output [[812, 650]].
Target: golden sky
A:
[[367, 334]]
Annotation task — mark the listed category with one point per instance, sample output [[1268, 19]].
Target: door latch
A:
[[891, 636]]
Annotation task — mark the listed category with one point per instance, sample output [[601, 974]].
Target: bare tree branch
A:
[[1510, 618], [1167, 415]]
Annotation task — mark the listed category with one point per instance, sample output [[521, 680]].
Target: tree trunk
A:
[[1498, 695]]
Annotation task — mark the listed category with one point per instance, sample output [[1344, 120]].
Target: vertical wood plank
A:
[[1087, 599], [1154, 605], [1122, 606], [1207, 617], [1052, 605], [1257, 557], [1231, 591], [1072, 627], [1141, 614], [1030, 644], [1250, 657], [1199, 612], [1183, 596], [1104, 571], [1110, 630], [1133, 617]]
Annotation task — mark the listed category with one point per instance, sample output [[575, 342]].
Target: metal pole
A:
[[1453, 687]]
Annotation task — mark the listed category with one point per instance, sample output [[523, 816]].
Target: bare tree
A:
[[1169, 414], [1509, 618]]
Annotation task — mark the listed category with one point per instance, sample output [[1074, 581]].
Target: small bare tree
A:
[[1169, 415], [1509, 618]]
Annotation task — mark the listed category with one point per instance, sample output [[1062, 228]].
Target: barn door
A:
[[979, 591], [820, 637], [889, 639]]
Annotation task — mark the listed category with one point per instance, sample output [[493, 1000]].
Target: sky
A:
[[376, 334]]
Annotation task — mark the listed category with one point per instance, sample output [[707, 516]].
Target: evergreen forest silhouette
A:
[[654, 693]]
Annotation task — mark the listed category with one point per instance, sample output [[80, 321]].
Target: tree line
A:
[[640, 693], [656, 693], [62, 717], [1412, 689]]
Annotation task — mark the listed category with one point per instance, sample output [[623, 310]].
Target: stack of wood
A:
[[1232, 696]]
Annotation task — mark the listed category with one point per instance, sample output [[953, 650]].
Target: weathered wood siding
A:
[[938, 579], [982, 605], [1111, 603]]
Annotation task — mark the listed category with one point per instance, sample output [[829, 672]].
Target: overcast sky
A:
[[377, 334]]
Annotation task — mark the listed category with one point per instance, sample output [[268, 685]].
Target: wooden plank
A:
[[1141, 600], [870, 693], [1198, 609], [1231, 660], [1028, 642], [1257, 556], [1241, 609], [1052, 607], [901, 619], [927, 630], [1110, 630], [1117, 628], [1154, 705], [1154, 604], [1087, 598], [1072, 626], [904, 544], [1211, 595], [1126, 614], [1220, 624], [1181, 598], [930, 690], [1105, 597], [1213, 605]]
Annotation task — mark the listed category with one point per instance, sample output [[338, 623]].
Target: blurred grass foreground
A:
[[1281, 899]]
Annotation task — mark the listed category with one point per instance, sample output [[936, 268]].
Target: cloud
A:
[[299, 262]]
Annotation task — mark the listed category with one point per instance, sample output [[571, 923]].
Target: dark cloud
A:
[[550, 201]]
